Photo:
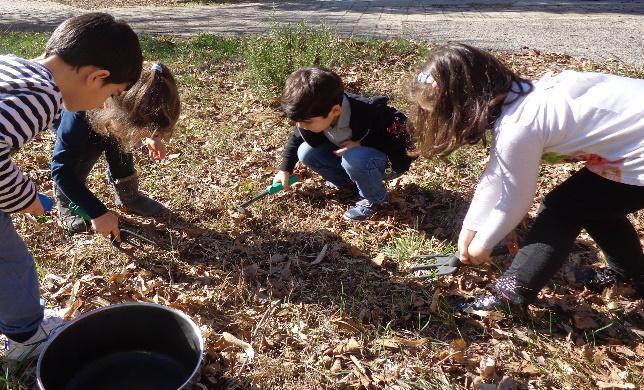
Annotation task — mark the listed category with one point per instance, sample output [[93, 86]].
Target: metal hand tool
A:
[[438, 265]]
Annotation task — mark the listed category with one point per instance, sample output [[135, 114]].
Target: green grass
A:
[[26, 45]]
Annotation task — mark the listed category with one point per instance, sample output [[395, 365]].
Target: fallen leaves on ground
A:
[[274, 317]]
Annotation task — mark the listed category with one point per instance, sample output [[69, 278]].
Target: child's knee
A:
[[358, 159], [304, 153]]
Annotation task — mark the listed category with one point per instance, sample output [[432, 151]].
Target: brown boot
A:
[[132, 200]]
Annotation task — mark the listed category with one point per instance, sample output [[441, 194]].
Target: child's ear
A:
[[336, 110], [97, 77]]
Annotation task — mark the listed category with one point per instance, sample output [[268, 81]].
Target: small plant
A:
[[415, 242], [405, 246], [271, 58]]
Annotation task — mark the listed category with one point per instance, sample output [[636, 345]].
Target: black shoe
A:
[[70, 221], [598, 279]]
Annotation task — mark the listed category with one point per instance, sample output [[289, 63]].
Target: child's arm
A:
[[506, 189], [20, 120], [289, 158], [72, 139]]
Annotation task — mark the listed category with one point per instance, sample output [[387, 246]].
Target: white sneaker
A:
[[52, 322]]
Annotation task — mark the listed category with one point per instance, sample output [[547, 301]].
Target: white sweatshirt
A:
[[573, 116]]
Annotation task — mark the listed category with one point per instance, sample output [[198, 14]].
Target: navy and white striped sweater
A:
[[30, 102]]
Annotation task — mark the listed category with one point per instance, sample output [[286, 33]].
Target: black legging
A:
[[584, 201]]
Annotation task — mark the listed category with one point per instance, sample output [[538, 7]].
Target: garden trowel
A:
[[270, 190]]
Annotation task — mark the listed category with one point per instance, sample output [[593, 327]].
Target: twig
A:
[[320, 257], [267, 313]]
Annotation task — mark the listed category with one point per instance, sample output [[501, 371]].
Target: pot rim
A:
[[181, 314]]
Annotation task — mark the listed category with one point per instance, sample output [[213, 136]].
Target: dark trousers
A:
[[120, 164], [584, 201]]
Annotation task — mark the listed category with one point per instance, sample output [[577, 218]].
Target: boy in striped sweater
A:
[[87, 59]]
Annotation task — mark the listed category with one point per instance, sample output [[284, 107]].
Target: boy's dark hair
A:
[[98, 39], [311, 92]]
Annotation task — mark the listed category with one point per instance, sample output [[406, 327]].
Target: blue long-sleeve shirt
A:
[[74, 137]]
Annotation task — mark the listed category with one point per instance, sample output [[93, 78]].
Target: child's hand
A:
[[471, 254], [107, 225], [282, 177], [35, 208], [156, 148], [346, 145], [478, 255], [464, 239]]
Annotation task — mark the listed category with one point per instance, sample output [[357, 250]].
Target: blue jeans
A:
[[21, 309], [361, 165]]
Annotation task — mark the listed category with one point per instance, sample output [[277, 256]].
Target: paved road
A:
[[601, 30]]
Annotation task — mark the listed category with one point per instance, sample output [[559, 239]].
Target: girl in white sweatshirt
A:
[[462, 93]]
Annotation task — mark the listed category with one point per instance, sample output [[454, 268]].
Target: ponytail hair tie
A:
[[426, 78], [157, 68]]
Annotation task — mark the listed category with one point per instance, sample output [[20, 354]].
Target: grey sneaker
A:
[[364, 209], [52, 322]]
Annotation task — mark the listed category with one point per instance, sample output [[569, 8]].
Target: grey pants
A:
[[21, 309]]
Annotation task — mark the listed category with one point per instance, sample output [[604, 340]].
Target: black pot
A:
[[126, 346]]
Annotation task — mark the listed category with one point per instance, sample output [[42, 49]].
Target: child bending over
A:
[[463, 94], [353, 142], [148, 112], [87, 59]]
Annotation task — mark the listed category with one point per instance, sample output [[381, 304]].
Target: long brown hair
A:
[[459, 94], [151, 105]]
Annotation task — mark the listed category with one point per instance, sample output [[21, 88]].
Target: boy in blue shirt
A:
[[87, 59]]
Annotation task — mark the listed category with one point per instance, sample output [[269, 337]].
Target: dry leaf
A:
[[349, 324], [232, 340], [337, 365], [500, 334], [379, 259], [614, 386], [320, 255], [355, 251], [348, 346], [583, 321], [395, 343], [587, 351], [488, 367], [458, 344], [71, 311], [639, 350], [433, 307], [458, 347]]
